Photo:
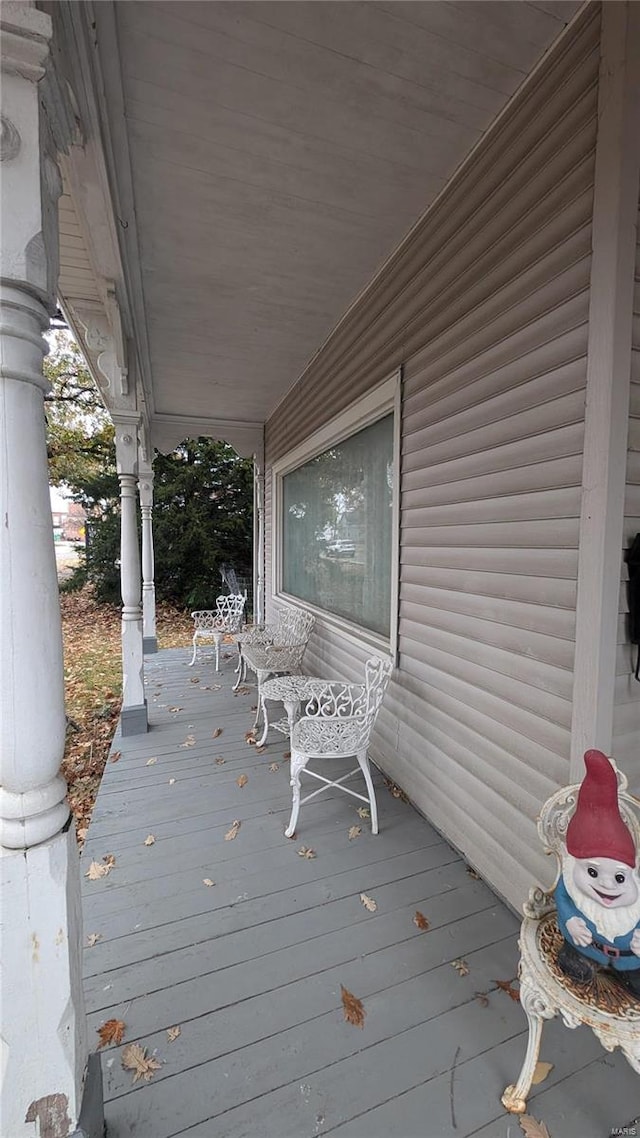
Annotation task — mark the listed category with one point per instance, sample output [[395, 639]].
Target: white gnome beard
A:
[[610, 923]]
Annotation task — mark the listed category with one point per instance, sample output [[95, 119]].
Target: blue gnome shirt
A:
[[568, 909]]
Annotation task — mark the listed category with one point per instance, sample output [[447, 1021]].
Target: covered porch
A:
[[396, 240], [250, 968]]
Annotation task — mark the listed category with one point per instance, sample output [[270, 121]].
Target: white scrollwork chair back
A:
[[337, 722], [213, 624], [276, 648]]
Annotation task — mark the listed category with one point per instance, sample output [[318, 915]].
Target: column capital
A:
[[26, 32], [126, 425]]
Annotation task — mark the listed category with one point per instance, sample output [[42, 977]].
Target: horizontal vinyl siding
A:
[[486, 309], [626, 716]]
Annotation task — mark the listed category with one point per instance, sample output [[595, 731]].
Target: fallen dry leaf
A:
[[242, 691], [96, 870], [173, 1033], [171, 781], [420, 921], [208, 881], [540, 1071], [354, 832], [304, 851], [531, 1128], [149, 840], [219, 761], [115, 756], [233, 832], [176, 709], [363, 812], [260, 750], [286, 754], [353, 1008], [395, 791], [461, 967], [135, 1058], [482, 999], [274, 767], [194, 680], [507, 986], [189, 742], [242, 780], [111, 1032], [472, 873], [109, 859], [369, 902], [250, 738], [93, 938], [150, 762], [218, 731]]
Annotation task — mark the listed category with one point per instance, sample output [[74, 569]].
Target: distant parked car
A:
[[341, 548]]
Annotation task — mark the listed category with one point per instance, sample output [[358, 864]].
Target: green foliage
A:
[[203, 494]]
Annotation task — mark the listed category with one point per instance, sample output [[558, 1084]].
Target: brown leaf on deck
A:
[[233, 832], [353, 1008], [93, 938], [115, 756], [208, 882], [216, 732], [304, 851], [531, 1128], [472, 873], [135, 1058], [286, 754], [109, 860], [173, 1033], [150, 762], [189, 742], [149, 840], [482, 999], [507, 986], [96, 871], [260, 750], [194, 680], [274, 767], [540, 1071], [363, 812], [242, 780], [219, 761], [369, 903], [176, 709], [461, 967], [111, 1031], [420, 921], [354, 832]]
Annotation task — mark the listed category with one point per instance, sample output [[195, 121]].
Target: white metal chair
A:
[[275, 649], [603, 1004], [338, 722], [213, 624]]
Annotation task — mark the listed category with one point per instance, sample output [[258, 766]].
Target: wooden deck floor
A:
[[250, 968]]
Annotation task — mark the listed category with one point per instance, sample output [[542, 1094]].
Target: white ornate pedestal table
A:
[[291, 691]]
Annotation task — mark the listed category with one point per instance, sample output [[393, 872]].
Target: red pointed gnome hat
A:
[[596, 828]]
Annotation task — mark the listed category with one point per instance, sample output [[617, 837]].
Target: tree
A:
[[203, 494]]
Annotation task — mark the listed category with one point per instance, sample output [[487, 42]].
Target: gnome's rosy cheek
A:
[[607, 881]]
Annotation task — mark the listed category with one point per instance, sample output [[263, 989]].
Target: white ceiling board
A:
[[280, 152]]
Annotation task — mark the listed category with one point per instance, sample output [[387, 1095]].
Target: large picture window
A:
[[338, 528]]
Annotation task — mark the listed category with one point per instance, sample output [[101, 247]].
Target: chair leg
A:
[[514, 1098], [241, 669], [363, 760], [216, 641], [298, 763], [195, 648], [265, 719]]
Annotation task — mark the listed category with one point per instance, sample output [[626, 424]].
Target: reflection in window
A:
[[337, 528]]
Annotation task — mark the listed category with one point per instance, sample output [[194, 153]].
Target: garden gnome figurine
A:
[[598, 892]]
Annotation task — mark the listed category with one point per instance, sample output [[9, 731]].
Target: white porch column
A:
[[258, 541], [608, 382], [133, 718], [44, 1034], [145, 486]]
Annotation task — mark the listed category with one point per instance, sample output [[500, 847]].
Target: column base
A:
[[44, 1028], [149, 645], [134, 720], [91, 1120]]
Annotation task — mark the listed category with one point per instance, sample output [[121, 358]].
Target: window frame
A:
[[382, 400]]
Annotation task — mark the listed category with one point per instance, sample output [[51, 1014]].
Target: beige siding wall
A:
[[626, 719], [486, 308]]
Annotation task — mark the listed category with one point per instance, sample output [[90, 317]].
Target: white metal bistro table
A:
[[291, 691]]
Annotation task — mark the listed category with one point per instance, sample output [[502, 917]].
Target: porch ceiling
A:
[[278, 153]]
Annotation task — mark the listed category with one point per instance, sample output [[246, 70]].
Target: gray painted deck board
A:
[[251, 968]]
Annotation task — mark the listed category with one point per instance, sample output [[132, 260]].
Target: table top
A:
[[290, 687]]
